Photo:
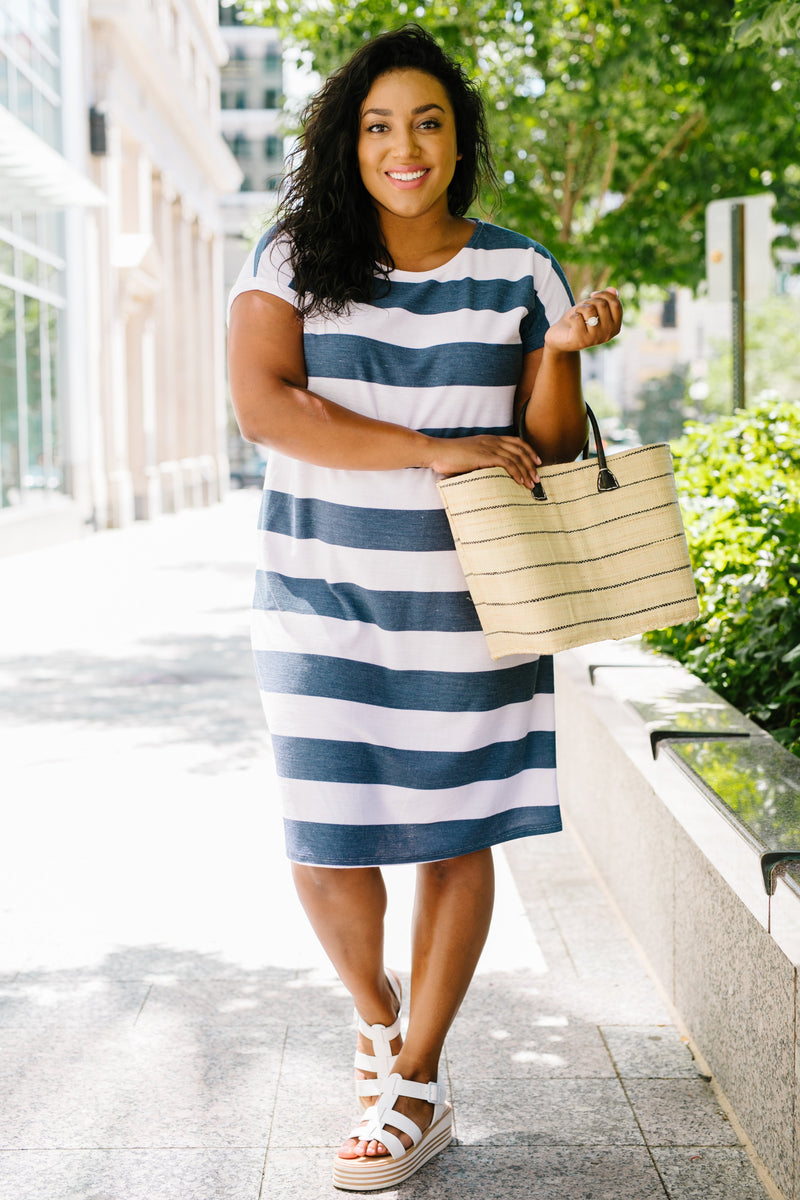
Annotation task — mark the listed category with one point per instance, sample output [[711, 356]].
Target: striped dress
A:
[[397, 739]]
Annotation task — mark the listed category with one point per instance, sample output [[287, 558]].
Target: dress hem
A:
[[553, 825]]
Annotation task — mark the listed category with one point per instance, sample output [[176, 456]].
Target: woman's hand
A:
[[590, 323], [455, 456]]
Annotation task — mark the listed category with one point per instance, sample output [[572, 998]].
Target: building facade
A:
[[112, 398], [252, 94], [252, 98]]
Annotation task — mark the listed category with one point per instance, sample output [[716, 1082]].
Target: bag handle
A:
[[606, 479]]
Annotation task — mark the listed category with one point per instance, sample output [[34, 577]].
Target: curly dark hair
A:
[[325, 208]]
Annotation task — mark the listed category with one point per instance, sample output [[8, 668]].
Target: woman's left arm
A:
[[555, 419]]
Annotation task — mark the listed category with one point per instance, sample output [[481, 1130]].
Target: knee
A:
[[464, 869], [330, 881]]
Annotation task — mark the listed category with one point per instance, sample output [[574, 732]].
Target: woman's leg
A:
[[452, 915], [346, 908]]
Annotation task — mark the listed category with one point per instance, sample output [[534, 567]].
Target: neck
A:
[[430, 239]]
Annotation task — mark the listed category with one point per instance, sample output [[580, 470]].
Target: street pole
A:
[[737, 303]]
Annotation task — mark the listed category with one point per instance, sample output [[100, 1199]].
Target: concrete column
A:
[[176, 334], [142, 410], [164, 314], [189, 376], [208, 304], [216, 256], [82, 479], [112, 345]]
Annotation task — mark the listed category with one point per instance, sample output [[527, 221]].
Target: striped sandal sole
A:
[[373, 1174]]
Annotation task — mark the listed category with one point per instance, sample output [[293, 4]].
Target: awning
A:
[[33, 175]]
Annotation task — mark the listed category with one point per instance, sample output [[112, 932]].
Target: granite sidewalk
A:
[[169, 1029]]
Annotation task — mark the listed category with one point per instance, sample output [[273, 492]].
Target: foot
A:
[[386, 1016], [419, 1111]]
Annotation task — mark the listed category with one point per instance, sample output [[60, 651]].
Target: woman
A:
[[380, 339]]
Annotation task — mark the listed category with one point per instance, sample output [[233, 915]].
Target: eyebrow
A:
[[387, 112]]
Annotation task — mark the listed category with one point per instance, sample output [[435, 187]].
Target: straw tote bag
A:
[[596, 550]]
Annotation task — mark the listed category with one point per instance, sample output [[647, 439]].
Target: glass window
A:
[[4, 90], [9, 416], [33, 380], [29, 67], [6, 258], [52, 424], [30, 322]]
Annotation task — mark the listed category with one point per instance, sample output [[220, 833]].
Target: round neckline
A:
[[442, 266]]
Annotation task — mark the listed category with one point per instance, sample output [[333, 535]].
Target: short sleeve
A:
[[552, 298], [267, 269]]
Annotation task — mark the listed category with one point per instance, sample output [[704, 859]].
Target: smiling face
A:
[[407, 150]]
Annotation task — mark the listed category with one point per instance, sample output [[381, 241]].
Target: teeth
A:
[[407, 176]]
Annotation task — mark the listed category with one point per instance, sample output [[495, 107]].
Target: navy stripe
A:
[[476, 431], [370, 845], [534, 326], [324, 759], [430, 297], [496, 237], [360, 528], [426, 691], [445, 612], [475, 364]]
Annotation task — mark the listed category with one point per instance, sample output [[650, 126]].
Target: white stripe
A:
[[551, 292], [387, 570], [369, 804], [418, 331], [369, 644], [403, 489], [476, 262], [347, 721], [432, 408]]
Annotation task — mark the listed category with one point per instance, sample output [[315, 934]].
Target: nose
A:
[[404, 143]]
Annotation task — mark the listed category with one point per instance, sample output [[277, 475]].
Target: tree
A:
[[614, 122], [774, 21]]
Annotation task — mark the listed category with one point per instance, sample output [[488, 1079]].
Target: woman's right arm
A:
[[274, 407]]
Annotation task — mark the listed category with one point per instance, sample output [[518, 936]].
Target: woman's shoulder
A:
[[274, 247], [497, 237], [267, 268]]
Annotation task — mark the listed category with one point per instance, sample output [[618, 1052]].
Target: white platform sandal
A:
[[381, 1061], [368, 1174]]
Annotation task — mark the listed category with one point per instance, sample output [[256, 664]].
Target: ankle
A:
[[378, 1007], [417, 1072]]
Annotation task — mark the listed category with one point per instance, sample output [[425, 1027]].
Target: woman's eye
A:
[[430, 123], [377, 128]]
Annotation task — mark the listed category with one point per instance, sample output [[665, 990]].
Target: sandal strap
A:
[[382, 1113], [381, 1060], [372, 1087], [381, 1032]]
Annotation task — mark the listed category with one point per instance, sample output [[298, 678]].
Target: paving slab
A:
[[708, 1173], [173, 1174]]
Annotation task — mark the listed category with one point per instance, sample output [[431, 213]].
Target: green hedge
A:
[[739, 483]]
